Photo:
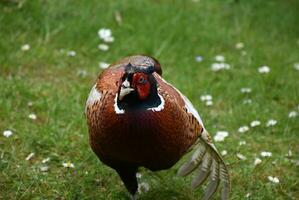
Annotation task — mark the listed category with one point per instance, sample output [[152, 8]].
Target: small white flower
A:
[[224, 153], [273, 179], [245, 90], [143, 187], [199, 58], [219, 66], [206, 97], [30, 104], [103, 47], [45, 160], [138, 175], [109, 39], [242, 142], [220, 136], [25, 47], [255, 123], [241, 156], [243, 129], [219, 58], [209, 103], [103, 65], [295, 162], [29, 156], [289, 154], [293, 114], [44, 168], [105, 34], [32, 116], [257, 161], [266, 154], [71, 53], [248, 195], [247, 101], [264, 69], [296, 66], [271, 122], [239, 45], [68, 165], [7, 133]]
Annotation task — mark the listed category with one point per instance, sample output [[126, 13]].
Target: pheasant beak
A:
[[125, 89]]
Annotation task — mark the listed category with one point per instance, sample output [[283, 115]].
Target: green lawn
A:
[[174, 32]]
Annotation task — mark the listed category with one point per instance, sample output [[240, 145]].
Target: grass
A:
[[174, 32]]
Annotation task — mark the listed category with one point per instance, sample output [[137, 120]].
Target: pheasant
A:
[[136, 119]]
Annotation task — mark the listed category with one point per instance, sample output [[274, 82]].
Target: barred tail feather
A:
[[207, 162]]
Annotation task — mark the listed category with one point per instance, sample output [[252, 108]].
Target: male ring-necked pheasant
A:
[[137, 119]]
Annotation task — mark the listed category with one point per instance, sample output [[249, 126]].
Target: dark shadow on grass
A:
[[164, 193]]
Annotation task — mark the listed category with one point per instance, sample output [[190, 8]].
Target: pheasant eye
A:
[[141, 80]]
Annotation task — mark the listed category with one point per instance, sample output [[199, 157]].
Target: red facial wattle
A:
[[142, 85]]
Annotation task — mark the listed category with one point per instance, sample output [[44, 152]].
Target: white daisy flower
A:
[[257, 161], [247, 101], [242, 142], [30, 104], [219, 58], [143, 187], [32, 116], [245, 90], [224, 153], [255, 123], [206, 97], [264, 70], [273, 179], [105, 34], [7, 133], [25, 47], [103, 47], [29, 156], [71, 53], [103, 65], [271, 122], [293, 114], [289, 154], [296, 66], [219, 66], [239, 45], [220, 136], [138, 175], [68, 165], [266, 154], [241, 156], [109, 39], [199, 58], [243, 129], [44, 168], [209, 103], [45, 160], [295, 162]]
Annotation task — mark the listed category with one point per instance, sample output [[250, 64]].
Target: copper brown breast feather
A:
[[137, 119]]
